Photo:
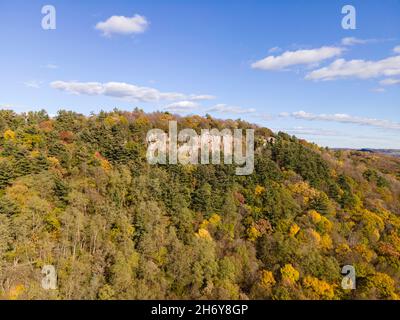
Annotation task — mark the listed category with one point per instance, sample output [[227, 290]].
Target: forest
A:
[[77, 192]]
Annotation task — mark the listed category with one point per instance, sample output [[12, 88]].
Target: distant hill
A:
[[389, 152]]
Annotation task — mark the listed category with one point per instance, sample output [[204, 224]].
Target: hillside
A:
[[77, 192], [388, 152]]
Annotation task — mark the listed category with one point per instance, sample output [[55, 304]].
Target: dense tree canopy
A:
[[77, 192]]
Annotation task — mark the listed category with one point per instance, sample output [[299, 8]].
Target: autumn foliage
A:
[[77, 192]]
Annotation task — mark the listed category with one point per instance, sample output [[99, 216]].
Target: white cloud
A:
[[123, 25], [361, 69], [299, 57], [181, 106], [350, 41], [120, 90], [201, 97], [389, 82], [35, 84], [345, 118], [396, 49], [223, 108], [87, 88]]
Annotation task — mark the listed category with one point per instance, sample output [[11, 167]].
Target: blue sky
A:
[[280, 64]]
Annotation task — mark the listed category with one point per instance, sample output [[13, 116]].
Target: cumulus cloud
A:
[[123, 25], [224, 108], [345, 118], [361, 69], [86, 88], [181, 106], [299, 57], [396, 49], [120, 90]]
